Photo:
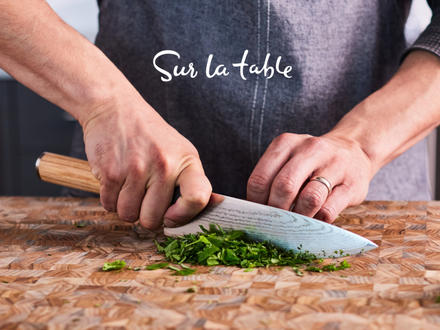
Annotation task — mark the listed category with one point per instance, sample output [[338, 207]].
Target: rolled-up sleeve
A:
[[429, 40]]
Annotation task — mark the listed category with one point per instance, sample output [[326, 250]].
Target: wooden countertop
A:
[[50, 275]]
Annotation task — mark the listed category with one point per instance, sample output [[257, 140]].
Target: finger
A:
[[273, 159], [338, 200], [311, 198], [111, 181], [314, 194], [131, 195], [195, 192], [290, 179], [155, 203]]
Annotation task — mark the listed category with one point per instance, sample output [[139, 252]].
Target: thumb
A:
[[195, 192]]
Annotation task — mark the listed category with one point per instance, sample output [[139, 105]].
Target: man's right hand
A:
[[139, 159], [135, 154]]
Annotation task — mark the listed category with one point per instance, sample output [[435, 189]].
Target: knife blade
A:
[[286, 229]]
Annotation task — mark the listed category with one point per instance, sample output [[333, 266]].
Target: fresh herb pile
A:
[[215, 246], [235, 248]]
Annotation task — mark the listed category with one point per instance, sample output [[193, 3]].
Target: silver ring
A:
[[324, 181]]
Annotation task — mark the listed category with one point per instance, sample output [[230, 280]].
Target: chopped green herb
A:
[[184, 272], [297, 271], [191, 290], [136, 269], [173, 268], [219, 247], [157, 266], [215, 246], [314, 269], [115, 265], [329, 268], [437, 300], [5, 281], [81, 224], [344, 265]]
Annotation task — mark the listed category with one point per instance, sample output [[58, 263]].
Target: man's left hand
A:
[[282, 176]]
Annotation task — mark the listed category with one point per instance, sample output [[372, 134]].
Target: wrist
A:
[[101, 100], [116, 104], [93, 99], [353, 138], [397, 115]]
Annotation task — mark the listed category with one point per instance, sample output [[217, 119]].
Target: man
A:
[[312, 142]]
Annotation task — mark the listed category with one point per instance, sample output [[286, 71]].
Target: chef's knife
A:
[[283, 228]]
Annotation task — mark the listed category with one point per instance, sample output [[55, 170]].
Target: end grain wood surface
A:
[[50, 275]]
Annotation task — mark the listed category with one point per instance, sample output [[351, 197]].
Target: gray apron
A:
[[341, 52]]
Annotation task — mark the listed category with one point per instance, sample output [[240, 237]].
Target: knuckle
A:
[[162, 165], [192, 150], [284, 185], [339, 157], [158, 159], [312, 199], [137, 168], [258, 183], [111, 176], [283, 138], [314, 142], [197, 199]]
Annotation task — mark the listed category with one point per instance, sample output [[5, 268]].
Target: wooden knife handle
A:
[[66, 171], [72, 172]]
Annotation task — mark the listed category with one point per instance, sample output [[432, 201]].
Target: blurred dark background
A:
[[30, 125]]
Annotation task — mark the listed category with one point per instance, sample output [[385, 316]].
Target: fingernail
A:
[[169, 223]]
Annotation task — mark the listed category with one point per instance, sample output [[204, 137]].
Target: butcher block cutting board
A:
[[51, 251]]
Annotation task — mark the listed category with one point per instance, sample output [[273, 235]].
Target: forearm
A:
[[398, 115], [51, 58]]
